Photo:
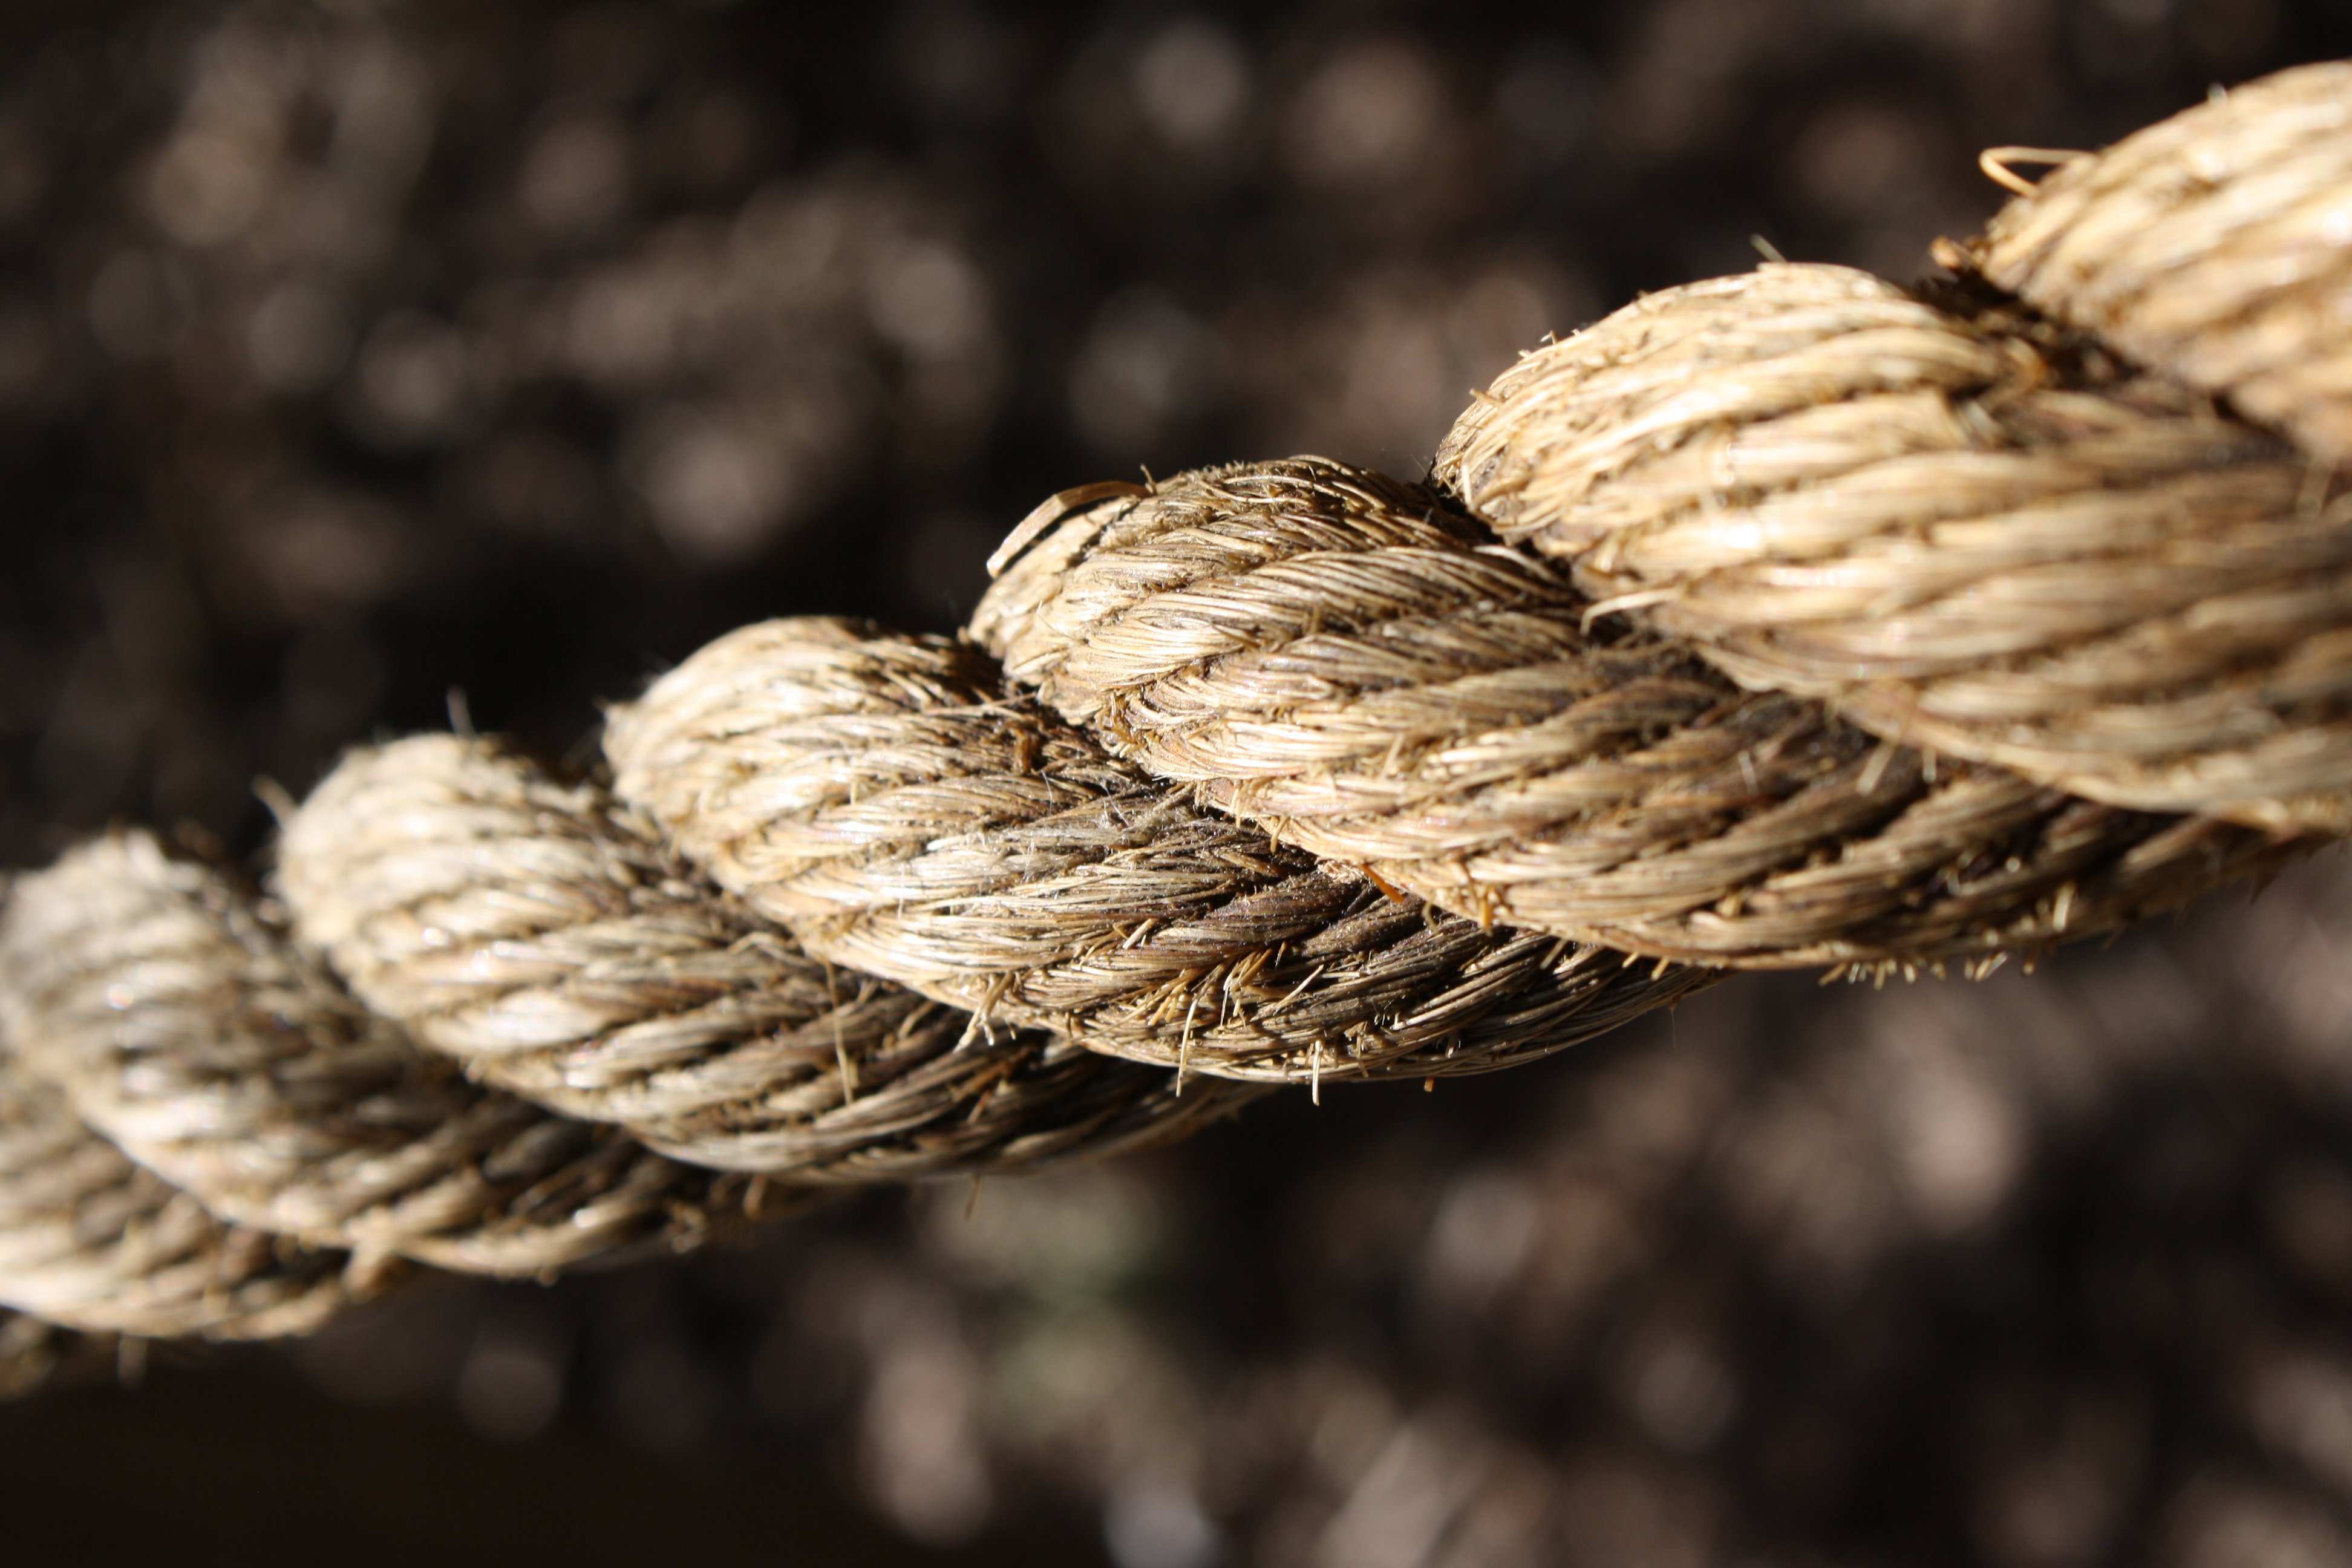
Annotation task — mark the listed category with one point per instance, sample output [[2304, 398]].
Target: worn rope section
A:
[[1792, 619], [1335, 655], [1991, 526]]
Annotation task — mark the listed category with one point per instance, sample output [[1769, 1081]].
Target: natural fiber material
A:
[[1793, 619], [1968, 533], [876, 794], [540, 934], [1339, 658], [179, 1023], [90, 1241], [2215, 248]]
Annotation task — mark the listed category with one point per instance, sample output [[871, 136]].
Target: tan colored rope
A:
[[541, 936], [1337, 656], [177, 1023], [878, 795], [1960, 530], [2215, 248], [90, 1241], [1781, 620], [1969, 528]]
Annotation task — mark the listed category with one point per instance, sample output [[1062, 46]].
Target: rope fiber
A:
[[1792, 619]]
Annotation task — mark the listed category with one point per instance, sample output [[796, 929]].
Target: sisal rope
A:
[[1792, 619]]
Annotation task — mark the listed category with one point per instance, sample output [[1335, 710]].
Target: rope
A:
[[1328, 654], [1998, 531], [1792, 619]]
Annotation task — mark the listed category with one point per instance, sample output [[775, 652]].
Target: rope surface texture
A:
[[1790, 619]]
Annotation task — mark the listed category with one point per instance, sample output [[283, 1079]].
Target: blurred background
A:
[[357, 353]]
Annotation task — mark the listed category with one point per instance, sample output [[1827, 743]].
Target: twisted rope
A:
[[1790, 619]]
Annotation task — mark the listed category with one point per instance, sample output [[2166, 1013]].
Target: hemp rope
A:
[[1785, 620]]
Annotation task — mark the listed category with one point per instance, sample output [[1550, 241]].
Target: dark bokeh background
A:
[[355, 354]]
